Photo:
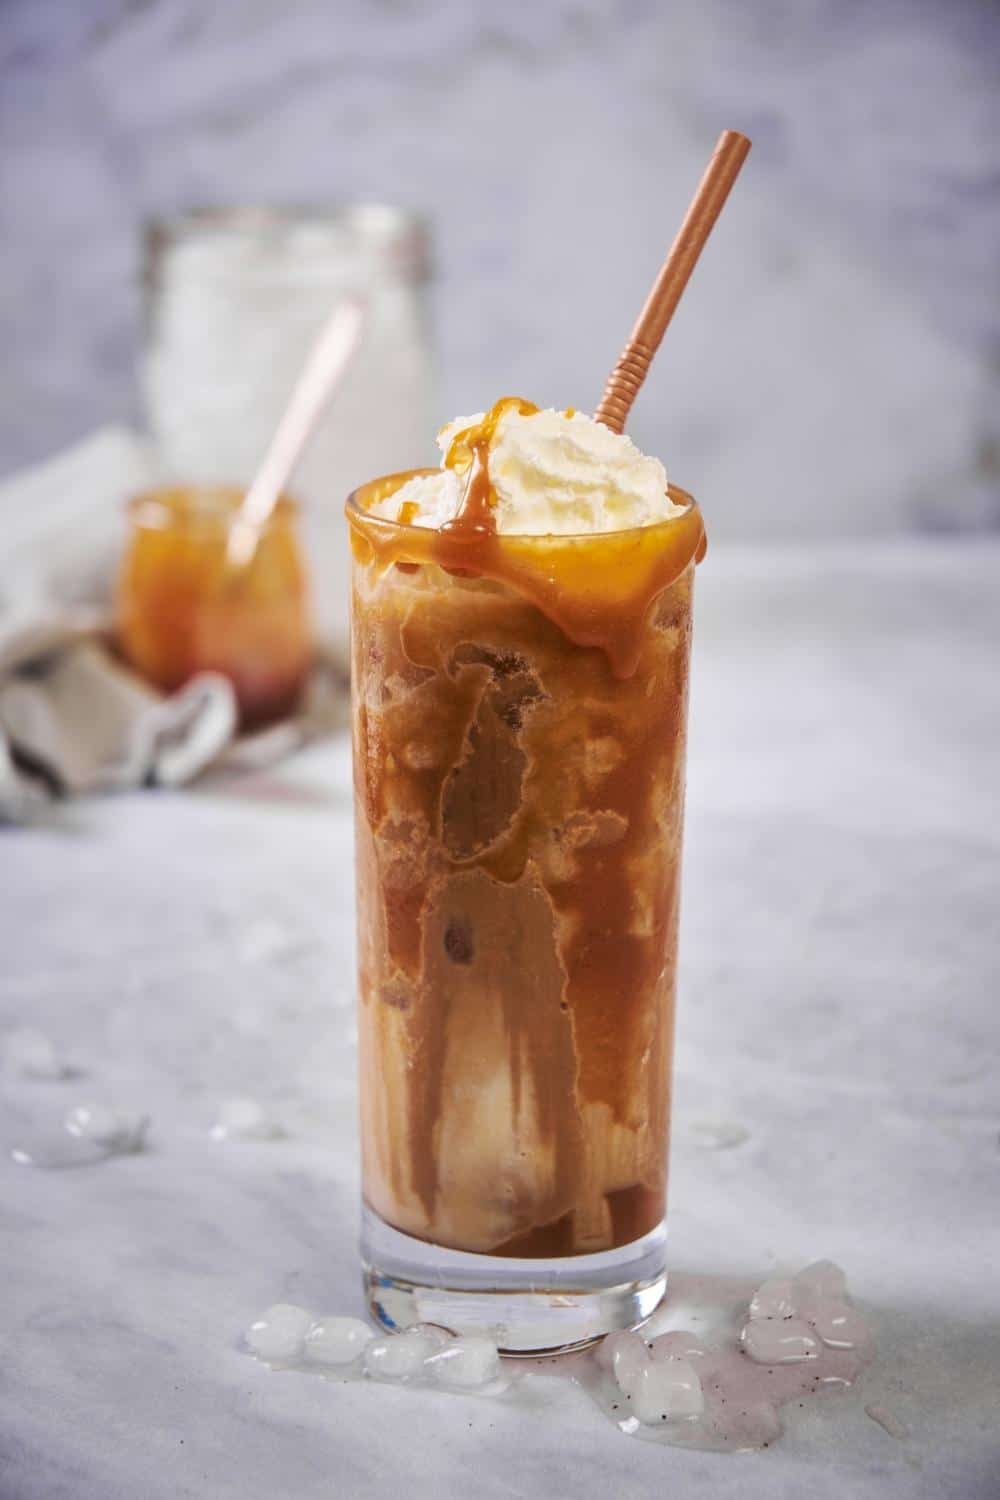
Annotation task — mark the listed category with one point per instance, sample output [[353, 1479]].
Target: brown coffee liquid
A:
[[519, 753]]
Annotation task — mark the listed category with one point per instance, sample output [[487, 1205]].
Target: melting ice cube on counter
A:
[[823, 1279], [399, 1356], [678, 1344], [467, 1362], [839, 1325], [280, 1334], [779, 1341], [624, 1355], [337, 1341], [112, 1128], [668, 1390], [775, 1298], [31, 1054]]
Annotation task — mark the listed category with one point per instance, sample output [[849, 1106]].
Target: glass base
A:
[[527, 1306]]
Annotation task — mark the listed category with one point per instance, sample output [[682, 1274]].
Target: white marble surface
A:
[[846, 316], [838, 1002]]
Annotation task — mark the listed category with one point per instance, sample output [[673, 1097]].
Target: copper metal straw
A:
[[628, 374]]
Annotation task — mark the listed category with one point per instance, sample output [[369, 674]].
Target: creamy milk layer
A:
[[552, 474]]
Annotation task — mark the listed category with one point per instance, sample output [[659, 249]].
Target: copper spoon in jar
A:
[[327, 363]]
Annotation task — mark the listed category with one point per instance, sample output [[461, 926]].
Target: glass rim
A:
[[155, 509], [401, 233], [353, 508]]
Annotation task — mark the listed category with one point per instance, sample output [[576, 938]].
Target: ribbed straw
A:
[[628, 374]]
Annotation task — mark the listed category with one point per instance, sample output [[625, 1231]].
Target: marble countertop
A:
[[838, 1003]]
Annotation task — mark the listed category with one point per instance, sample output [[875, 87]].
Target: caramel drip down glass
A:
[[520, 709]]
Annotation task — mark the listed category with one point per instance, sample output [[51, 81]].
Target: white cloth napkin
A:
[[73, 719]]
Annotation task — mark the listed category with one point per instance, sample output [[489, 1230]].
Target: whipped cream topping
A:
[[552, 473]]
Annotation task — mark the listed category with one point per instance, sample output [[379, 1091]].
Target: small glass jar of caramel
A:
[[183, 608]]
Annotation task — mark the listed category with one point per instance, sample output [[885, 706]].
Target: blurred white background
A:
[[836, 364]]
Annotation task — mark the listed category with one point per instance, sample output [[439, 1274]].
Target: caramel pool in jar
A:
[[182, 609]]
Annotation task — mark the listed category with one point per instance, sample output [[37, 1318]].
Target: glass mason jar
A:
[[234, 301], [519, 809]]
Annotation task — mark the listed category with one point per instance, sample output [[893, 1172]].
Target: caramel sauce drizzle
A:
[[469, 453], [597, 588]]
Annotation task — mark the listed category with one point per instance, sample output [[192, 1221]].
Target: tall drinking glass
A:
[[519, 803]]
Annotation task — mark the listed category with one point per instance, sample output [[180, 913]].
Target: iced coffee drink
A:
[[521, 630]]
